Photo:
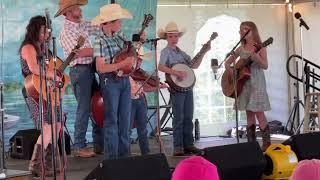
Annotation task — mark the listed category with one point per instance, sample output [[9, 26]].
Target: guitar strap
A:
[[186, 61]]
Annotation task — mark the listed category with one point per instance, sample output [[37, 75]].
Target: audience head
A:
[[195, 168], [307, 170]]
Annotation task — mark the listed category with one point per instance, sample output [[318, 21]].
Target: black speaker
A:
[[23, 141], [148, 167], [243, 161], [306, 146]]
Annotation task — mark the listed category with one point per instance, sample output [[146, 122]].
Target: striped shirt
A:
[[171, 56], [108, 46], [69, 37]]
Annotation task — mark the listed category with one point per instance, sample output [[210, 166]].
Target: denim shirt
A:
[[171, 56]]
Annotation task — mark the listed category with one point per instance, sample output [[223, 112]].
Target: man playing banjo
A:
[[182, 101]]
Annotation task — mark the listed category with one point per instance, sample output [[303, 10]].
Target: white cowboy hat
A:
[[111, 12], [171, 27], [142, 55], [66, 5]]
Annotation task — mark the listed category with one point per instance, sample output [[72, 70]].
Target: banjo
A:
[[187, 83]]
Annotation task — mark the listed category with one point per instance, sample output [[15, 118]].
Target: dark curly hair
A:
[[33, 31]]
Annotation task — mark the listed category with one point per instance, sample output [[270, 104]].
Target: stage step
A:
[[15, 175]]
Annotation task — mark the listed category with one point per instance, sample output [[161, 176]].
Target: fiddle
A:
[[142, 75]]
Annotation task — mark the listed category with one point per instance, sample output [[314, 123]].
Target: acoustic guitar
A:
[[32, 81], [242, 73]]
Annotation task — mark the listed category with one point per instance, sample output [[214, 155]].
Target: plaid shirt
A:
[[69, 37], [108, 46]]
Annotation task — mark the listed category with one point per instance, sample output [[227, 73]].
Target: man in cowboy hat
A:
[[182, 102], [115, 91], [81, 72]]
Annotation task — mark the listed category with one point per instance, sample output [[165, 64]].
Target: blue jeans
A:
[[139, 115], [116, 95], [182, 109], [82, 78]]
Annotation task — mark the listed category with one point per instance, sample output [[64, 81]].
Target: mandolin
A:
[[130, 51]]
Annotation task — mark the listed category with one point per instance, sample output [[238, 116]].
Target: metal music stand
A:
[[164, 119]]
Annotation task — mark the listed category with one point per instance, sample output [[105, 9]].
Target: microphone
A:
[[153, 40], [214, 67], [297, 15], [135, 37], [48, 20], [136, 41]]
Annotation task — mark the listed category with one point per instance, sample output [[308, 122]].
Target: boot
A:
[[251, 133], [49, 161], [35, 162], [266, 141]]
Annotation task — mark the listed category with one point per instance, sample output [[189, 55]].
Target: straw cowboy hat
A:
[[143, 55], [111, 12], [66, 5], [171, 27]]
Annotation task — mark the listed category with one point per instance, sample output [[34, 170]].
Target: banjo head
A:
[[187, 82]]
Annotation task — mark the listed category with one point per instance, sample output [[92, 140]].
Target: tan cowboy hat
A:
[[142, 55], [66, 5], [171, 27], [111, 12]]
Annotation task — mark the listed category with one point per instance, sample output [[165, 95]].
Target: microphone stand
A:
[[153, 44], [42, 61], [57, 110], [302, 75], [234, 82], [49, 114]]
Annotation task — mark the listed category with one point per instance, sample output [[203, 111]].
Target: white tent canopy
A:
[[273, 18]]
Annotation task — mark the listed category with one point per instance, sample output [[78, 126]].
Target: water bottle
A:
[[196, 130]]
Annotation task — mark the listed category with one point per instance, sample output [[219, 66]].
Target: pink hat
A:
[[307, 170], [195, 168]]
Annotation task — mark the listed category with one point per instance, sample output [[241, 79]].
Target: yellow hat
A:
[[171, 27], [111, 12]]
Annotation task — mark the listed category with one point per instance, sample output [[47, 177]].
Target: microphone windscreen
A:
[[214, 62], [135, 37], [297, 15]]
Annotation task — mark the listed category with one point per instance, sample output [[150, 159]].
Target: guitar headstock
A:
[[147, 19], [213, 36], [267, 42], [80, 42]]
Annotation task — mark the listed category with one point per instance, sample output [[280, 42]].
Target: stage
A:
[[79, 168]]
